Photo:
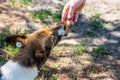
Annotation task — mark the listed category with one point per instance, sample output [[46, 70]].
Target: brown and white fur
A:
[[35, 49]]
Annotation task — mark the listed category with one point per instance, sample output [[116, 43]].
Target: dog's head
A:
[[39, 43]]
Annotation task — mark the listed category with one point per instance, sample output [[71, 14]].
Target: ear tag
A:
[[19, 44], [61, 31]]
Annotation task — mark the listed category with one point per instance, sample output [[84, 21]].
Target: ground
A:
[[66, 62]]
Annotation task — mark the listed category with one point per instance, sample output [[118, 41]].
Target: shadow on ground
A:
[[100, 68]]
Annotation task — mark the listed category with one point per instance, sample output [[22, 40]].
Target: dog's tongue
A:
[[61, 31]]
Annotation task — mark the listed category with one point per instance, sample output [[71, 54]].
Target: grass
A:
[[17, 3], [56, 16], [42, 15], [80, 48], [12, 50], [54, 77], [76, 49], [2, 60], [93, 69], [96, 22], [100, 51], [58, 49], [46, 73], [90, 33], [47, 16]]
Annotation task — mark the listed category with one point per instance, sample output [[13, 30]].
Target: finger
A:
[[70, 22], [76, 16], [82, 5], [65, 13], [71, 12], [78, 10]]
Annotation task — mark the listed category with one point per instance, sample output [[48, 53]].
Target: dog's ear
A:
[[61, 25], [17, 40]]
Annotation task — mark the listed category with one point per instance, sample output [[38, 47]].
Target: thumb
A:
[[76, 16]]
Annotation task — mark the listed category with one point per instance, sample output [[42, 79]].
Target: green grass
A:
[[100, 51], [56, 16], [40, 78], [47, 16], [16, 3], [46, 70], [90, 33], [96, 22], [12, 50], [26, 2], [76, 49], [80, 48], [58, 49], [42, 15], [26, 31], [2, 60], [93, 69], [54, 77]]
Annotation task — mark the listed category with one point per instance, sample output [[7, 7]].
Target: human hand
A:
[[71, 11]]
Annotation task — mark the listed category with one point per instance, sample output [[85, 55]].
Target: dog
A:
[[35, 49]]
